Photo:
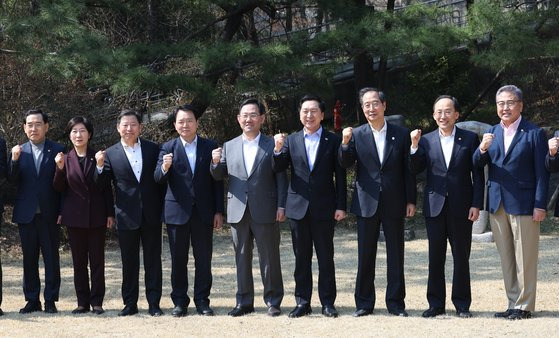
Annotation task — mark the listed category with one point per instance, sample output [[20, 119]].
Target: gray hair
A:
[[510, 89], [365, 90]]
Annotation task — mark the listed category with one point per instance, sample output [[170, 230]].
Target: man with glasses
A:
[[384, 194], [255, 203], [453, 196], [316, 200], [515, 150]]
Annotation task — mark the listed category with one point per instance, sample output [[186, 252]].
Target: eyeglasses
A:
[[441, 113], [509, 103], [249, 116], [374, 104]]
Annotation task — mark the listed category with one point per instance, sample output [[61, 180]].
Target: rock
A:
[[480, 225], [479, 128], [486, 237]]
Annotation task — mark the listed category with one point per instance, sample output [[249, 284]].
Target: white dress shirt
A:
[[311, 145], [190, 150], [380, 140], [509, 132], [250, 148], [447, 143], [134, 155]]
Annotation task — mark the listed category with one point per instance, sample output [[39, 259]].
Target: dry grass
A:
[[487, 289]]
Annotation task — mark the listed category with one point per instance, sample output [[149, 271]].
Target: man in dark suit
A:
[[452, 199], [384, 193], [314, 203], [255, 202], [552, 161], [36, 209], [3, 159], [515, 150], [130, 165], [193, 208]]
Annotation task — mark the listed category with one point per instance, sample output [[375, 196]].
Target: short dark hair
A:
[[36, 112], [365, 90], [77, 120], [452, 98], [185, 107], [129, 112], [261, 108], [311, 97]]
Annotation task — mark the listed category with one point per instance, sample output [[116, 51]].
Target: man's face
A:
[[373, 108], [311, 115], [186, 124], [445, 114], [509, 107], [250, 119], [129, 129], [35, 128]]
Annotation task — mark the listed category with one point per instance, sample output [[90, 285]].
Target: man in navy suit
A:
[[36, 209], [3, 158], [314, 202], [130, 165], [552, 161], [515, 150], [452, 199], [193, 208], [384, 193]]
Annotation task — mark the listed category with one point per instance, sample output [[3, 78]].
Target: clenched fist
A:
[[59, 160], [167, 161], [415, 136], [346, 135], [486, 141], [216, 155], [100, 158], [16, 151], [279, 139], [553, 143]]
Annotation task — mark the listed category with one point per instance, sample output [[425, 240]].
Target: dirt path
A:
[[487, 289]]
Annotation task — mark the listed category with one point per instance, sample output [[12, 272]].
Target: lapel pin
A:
[[459, 139], [393, 138], [522, 130], [326, 139]]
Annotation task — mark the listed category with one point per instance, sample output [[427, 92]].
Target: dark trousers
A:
[[458, 230], [129, 240], [304, 233], [367, 236], [180, 237], [88, 245], [267, 236], [41, 235]]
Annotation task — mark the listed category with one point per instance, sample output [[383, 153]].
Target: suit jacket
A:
[[313, 190], [393, 176], [460, 184], [185, 190], [35, 190], [84, 203], [552, 164], [518, 179], [3, 174], [265, 189], [133, 200]]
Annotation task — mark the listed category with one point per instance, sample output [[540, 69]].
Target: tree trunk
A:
[[153, 20]]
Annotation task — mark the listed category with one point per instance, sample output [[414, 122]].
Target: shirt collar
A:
[[193, 143], [41, 145], [513, 126], [317, 133], [382, 130], [255, 140], [137, 144], [451, 134]]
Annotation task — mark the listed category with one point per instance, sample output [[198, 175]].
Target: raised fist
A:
[[279, 139], [553, 143], [59, 160], [16, 151], [346, 135], [486, 141], [100, 158], [167, 161], [415, 136], [216, 155]]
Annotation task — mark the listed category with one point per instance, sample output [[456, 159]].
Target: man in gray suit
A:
[[255, 201]]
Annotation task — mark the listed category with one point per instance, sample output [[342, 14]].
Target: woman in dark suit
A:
[[87, 210]]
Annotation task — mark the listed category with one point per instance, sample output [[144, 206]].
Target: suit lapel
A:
[[47, 154], [182, 158], [457, 144], [73, 158], [26, 148], [369, 142], [500, 139], [298, 148], [259, 153], [435, 143], [515, 138], [124, 158], [322, 146], [388, 143], [236, 153]]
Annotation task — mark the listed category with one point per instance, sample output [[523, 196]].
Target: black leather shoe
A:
[[179, 311], [330, 311], [362, 312], [464, 314], [31, 307], [128, 310], [399, 313], [204, 309], [300, 311], [50, 307], [503, 314], [241, 310], [1, 312], [274, 311], [155, 311], [519, 314], [433, 312], [98, 310], [78, 311]]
